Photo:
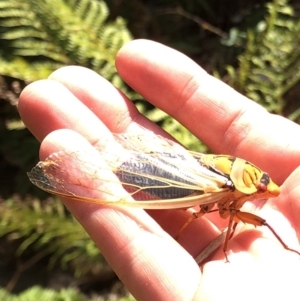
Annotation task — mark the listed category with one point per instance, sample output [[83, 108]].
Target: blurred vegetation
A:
[[39, 227], [270, 65], [252, 45], [39, 293], [41, 36]]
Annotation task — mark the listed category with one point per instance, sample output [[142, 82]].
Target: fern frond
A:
[[48, 229], [295, 115], [95, 13], [23, 69], [270, 65], [61, 32], [174, 128]]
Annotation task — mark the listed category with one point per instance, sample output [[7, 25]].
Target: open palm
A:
[[75, 107]]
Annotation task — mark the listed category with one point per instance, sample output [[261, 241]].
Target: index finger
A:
[[226, 121]]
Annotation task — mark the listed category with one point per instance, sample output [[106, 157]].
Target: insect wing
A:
[[158, 179], [163, 150], [77, 173]]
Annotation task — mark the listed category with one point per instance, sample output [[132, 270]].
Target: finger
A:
[[222, 118], [47, 105], [109, 104], [77, 98], [289, 201], [145, 258]]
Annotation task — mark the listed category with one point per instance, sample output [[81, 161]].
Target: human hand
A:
[[136, 243]]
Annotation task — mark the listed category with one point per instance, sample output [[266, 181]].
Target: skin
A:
[[76, 107]]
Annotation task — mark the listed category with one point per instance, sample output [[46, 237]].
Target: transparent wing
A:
[[162, 150], [162, 175]]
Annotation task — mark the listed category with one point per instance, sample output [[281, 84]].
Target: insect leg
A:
[[203, 210], [194, 216], [231, 228], [255, 220]]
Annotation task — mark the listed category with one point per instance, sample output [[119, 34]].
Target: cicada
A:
[[152, 172]]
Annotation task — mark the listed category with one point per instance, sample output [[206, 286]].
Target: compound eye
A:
[[261, 187]]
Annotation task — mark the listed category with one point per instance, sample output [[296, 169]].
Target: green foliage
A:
[[49, 231], [173, 127], [40, 36], [38, 293], [269, 67], [36, 38]]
